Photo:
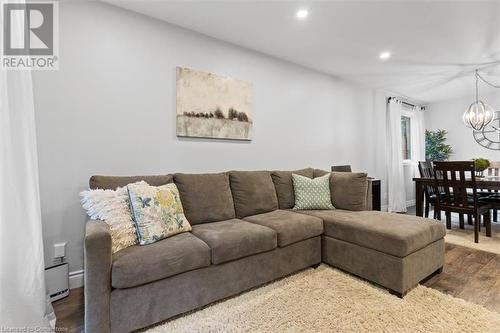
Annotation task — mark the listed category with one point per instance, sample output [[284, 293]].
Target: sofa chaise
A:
[[244, 234]]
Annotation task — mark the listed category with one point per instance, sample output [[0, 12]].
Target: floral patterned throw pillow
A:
[[156, 211]]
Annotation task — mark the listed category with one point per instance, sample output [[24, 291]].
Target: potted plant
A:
[[481, 165], [436, 148]]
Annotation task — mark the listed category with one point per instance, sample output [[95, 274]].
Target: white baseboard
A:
[[409, 203], [76, 279]]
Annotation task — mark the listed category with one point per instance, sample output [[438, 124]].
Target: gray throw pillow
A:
[[312, 193], [349, 190]]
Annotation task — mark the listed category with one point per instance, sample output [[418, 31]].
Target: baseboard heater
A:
[[57, 280]]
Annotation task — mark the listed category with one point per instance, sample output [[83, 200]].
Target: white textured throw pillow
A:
[[112, 207]]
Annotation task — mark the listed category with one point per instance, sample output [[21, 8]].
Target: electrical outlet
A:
[[59, 250]]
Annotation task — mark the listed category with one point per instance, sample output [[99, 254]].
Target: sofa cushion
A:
[[234, 239], [253, 192], [112, 182], [291, 227], [349, 190], [319, 173], [395, 234], [205, 197], [137, 265], [283, 184]]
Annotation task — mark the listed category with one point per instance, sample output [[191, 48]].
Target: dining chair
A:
[[494, 201], [426, 171], [494, 171], [456, 178], [341, 168]]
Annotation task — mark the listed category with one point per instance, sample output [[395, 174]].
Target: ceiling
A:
[[435, 45]]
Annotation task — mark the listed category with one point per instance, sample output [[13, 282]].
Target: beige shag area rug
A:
[[328, 300], [465, 237]]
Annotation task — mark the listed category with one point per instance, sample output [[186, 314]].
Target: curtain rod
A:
[[403, 102]]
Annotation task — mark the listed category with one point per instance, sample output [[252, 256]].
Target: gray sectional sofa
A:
[[244, 235]]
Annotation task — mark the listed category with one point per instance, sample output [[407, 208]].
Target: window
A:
[[406, 137]]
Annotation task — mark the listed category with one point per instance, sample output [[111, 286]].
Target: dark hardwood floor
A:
[[69, 312], [468, 274], [471, 275]]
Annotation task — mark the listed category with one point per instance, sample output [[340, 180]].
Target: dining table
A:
[[482, 183]]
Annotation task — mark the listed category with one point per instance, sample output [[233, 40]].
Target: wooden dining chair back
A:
[[426, 171], [493, 170], [458, 180], [341, 168]]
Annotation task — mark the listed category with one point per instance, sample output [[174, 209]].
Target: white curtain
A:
[[417, 138], [396, 194], [23, 300]]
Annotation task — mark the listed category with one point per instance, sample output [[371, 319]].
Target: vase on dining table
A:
[[481, 164]]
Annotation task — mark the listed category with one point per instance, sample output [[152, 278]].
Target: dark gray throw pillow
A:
[[349, 190], [284, 186]]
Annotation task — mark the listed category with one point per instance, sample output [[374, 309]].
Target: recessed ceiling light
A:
[[302, 14], [384, 55]]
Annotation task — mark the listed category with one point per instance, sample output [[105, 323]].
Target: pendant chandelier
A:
[[478, 114]]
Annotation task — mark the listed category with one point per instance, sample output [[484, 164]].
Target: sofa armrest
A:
[[98, 258], [369, 195]]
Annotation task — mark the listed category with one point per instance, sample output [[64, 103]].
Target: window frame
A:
[[410, 116]]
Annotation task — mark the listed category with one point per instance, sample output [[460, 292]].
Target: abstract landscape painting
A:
[[213, 106]]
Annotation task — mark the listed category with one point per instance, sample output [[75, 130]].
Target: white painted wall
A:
[[448, 115], [110, 109]]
